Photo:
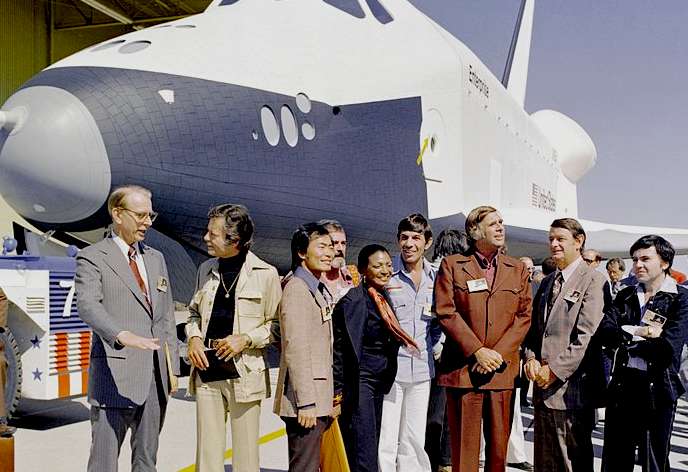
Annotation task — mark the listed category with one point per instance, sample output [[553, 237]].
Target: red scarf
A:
[[390, 319]]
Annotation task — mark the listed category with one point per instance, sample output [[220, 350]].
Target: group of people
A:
[[393, 347]]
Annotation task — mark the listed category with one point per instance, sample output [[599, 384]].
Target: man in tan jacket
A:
[[230, 318], [305, 387], [561, 357]]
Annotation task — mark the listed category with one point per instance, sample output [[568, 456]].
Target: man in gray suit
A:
[[123, 294], [560, 359]]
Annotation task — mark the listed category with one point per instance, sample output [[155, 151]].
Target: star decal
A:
[[37, 374], [35, 342]]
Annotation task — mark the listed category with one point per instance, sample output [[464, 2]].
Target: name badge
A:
[[651, 318], [477, 285], [162, 284], [326, 313], [427, 312], [573, 296]]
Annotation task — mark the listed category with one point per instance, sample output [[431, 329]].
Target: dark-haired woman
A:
[[367, 337]]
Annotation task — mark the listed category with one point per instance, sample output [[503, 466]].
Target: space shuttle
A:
[[358, 110]]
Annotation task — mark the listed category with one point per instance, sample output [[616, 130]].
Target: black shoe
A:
[[7, 431], [522, 465]]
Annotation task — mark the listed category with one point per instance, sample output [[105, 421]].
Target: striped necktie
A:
[[137, 275], [556, 289]]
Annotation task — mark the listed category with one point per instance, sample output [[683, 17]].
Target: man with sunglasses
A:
[[123, 294]]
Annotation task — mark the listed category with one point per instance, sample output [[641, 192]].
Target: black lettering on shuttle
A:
[[542, 198], [477, 82]]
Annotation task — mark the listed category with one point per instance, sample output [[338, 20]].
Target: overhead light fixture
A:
[[106, 10]]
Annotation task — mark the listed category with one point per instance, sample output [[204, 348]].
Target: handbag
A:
[[332, 453], [218, 369]]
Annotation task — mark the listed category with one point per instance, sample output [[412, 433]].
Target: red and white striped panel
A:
[[69, 354]]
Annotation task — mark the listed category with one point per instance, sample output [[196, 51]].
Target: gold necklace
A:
[[222, 281]]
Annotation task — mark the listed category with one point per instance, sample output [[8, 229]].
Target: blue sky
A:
[[617, 67]]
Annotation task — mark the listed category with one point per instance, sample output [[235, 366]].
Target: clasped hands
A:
[[487, 360], [225, 349], [541, 374], [648, 332]]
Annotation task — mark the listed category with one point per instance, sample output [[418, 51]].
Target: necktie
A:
[[137, 275], [556, 289]]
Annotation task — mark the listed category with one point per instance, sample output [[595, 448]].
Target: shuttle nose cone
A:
[[53, 163]]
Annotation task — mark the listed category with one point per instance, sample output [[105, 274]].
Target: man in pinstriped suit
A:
[[123, 295]]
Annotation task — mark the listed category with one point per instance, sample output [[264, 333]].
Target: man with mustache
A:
[[341, 277]]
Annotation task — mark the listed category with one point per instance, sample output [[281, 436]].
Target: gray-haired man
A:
[[123, 295]]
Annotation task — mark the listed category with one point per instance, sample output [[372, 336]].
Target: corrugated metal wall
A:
[[27, 47], [24, 42], [69, 41]]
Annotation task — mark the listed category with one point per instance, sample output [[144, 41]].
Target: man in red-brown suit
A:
[[483, 302]]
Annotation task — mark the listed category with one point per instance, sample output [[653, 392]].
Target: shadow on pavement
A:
[[42, 415]]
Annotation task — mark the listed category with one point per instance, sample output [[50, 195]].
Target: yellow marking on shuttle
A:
[[419, 160], [262, 440]]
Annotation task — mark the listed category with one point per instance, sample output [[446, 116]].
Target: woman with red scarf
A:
[[367, 337]]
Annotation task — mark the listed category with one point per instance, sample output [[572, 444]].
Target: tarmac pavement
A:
[[55, 436]]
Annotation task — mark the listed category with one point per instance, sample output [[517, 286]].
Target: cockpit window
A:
[[227, 2], [352, 7], [379, 12]]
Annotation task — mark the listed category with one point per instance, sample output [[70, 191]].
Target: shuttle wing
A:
[[527, 234]]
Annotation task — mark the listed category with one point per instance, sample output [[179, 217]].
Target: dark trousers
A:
[[304, 444], [525, 386], [467, 409], [110, 425], [563, 439], [631, 422], [437, 438], [361, 425]]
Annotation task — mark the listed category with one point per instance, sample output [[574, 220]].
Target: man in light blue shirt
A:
[[404, 412]]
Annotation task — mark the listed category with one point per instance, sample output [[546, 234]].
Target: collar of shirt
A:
[[344, 279], [124, 247], [484, 262], [568, 271], [346, 275], [669, 285], [314, 285], [400, 268]]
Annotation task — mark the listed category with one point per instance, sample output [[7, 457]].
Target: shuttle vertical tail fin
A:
[[515, 75]]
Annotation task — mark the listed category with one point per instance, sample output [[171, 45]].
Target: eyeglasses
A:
[[141, 216], [589, 261]]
